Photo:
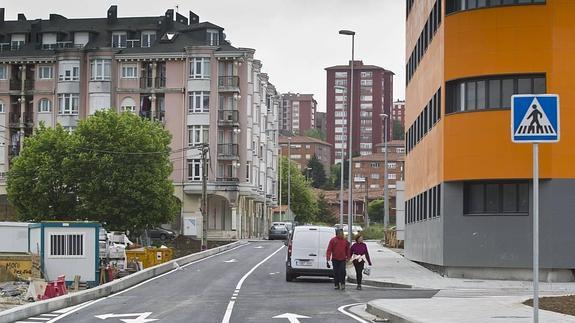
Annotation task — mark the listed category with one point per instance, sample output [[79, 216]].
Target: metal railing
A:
[[228, 116], [16, 84], [145, 82], [133, 43], [160, 82], [229, 81], [29, 118], [14, 119], [227, 179], [228, 150]]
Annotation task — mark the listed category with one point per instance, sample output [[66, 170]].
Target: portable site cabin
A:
[[67, 248], [14, 237]]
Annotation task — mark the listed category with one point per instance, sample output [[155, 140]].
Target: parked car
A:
[[355, 230], [306, 252], [289, 225], [161, 233], [279, 232]]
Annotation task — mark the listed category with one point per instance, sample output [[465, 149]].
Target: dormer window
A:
[[120, 39], [18, 41], [81, 39], [148, 38], [49, 40], [169, 36], [213, 37]]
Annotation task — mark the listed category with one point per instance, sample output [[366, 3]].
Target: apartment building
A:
[[297, 113], [172, 69], [398, 112], [468, 187], [373, 95], [321, 121], [393, 146], [304, 148]]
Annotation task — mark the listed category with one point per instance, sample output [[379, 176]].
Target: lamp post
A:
[[384, 118], [344, 90], [289, 178], [350, 137]]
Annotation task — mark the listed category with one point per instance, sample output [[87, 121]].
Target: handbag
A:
[[367, 270]]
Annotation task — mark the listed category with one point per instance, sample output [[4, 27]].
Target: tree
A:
[[114, 168], [315, 133], [398, 130], [316, 172], [39, 184], [325, 212], [375, 210], [303, 200]]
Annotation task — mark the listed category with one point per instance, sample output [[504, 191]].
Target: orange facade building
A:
[[468, 187]]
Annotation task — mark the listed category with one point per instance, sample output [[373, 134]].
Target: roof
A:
[[380, 157], [358, 65], [303, 140]]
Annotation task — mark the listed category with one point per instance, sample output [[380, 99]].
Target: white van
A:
[[306, 252]]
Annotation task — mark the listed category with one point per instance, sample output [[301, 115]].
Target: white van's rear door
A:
[[305, 249], [325, 236]]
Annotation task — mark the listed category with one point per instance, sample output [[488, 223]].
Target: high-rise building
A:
[[172, 69], [321, 121], [297, 113], [398, 112], [373, 95], [468, 186]]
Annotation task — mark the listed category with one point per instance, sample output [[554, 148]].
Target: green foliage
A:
[[315, 133], [114, 168], [373, 232], [398, 130], [375, 210], [316, 172], [303, 200], [326, 215]]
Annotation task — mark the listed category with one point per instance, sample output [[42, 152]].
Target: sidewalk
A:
[[458, 299]]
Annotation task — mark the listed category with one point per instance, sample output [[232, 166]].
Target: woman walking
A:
[[359, 255]]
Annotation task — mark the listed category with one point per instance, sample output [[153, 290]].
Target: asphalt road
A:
[[246, 284]]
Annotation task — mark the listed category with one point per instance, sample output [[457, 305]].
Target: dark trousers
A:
[[338, 271], [358, 270]]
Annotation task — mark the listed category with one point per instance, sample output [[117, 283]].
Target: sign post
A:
[[535, 119]]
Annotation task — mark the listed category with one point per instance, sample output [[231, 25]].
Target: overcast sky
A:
[[294, 39]]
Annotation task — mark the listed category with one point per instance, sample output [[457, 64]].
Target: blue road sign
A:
[[535, 118]]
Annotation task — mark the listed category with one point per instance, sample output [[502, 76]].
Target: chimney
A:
[[170, 15], [181, 19], [56, 17], [112, 13], [194, 19], [21, 17], [1, 15]]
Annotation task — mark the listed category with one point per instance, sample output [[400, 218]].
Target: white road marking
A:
[[81, 306], [259, 247], [292, 318], [343, 309], [51, 315], [38, 318], [230, 307], [231, 260], [140, 317]]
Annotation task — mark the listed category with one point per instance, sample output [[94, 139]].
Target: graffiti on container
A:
[[18, 268]]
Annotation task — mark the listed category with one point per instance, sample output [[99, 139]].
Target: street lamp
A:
[[350, 136], [384, 118], [289, 177], [344, 90]]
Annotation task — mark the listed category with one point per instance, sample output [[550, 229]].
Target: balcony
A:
[[228, 117], [228, 151], [147, 82], [230, 180], [160, 82], [29, 119], [229, 83], [6, 47], [16, 85], [133, 43]]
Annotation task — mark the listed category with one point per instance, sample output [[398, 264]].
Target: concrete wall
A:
[[424, 241]]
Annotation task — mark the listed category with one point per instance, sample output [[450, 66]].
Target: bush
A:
[[373, 232]]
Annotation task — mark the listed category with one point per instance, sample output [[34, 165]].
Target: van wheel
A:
[[289, 276]]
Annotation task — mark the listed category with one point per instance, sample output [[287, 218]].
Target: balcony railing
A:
[[228, 150], [227, 179], [29, 119], [160, 82], [228, 117], [146, 82], [133, 43], [229, 83], [6, 47], [14, 119], [16, 84], [59, 45]]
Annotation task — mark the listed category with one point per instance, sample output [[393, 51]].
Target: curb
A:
[[54, 304], [388, 316], [375, 283]]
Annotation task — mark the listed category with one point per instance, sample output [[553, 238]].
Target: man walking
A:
[[338, 253]]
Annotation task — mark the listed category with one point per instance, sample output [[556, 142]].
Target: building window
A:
[[374, 164], [2, 106], [68, 103], [45, 105], [426, 120], [198, 135], [119, 40], [101, 69], [69, 71], [425, 38], [391, 176], [492, 92], [66, 245], [341, 75], [45, 72], [496, 198], [461, 5], [213, 37], [391, 165], [194, 170], [200, 68], [128, 105], [3, 72], [148, 38], [366, 75], [199, 101], [375, 176], [129, 71]]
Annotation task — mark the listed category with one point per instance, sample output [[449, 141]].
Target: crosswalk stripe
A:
[[39, 318], [51, 315]]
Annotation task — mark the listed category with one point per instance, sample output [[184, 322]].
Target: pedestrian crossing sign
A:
[[535, 118]]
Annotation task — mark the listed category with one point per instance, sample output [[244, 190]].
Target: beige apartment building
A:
[[170, 68], [304, 148]]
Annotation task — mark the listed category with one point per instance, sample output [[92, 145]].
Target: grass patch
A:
[[559, 304], [373, 232]]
